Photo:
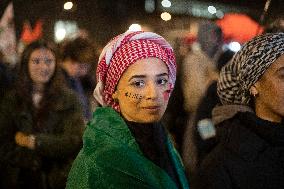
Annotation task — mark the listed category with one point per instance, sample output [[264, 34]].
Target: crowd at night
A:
[[141, 94]]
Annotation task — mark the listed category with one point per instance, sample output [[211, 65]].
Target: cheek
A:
[[277, 94], [133, 96], [167, 92], [166, 95], [273, 93], [130, 100], [129, 103], [32, 72], [52, 70]]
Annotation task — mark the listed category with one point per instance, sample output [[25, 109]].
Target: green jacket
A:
[[111, 158]]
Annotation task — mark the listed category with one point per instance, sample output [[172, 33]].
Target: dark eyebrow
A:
[[137, 76], [144, 76], [162, 74]]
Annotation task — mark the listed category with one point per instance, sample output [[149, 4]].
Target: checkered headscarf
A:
[[247, 66], [123, 51]]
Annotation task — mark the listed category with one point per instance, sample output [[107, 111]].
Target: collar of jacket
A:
[[224, 112], [107, 121]]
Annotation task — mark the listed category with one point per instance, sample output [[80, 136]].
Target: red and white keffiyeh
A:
[[126, 49]]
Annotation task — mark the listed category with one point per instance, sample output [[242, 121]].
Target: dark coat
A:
[[58, 140], [249, 154], [76, 85]]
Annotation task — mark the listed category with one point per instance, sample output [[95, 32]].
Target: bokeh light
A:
[[234, 46], [135, 27], [68, 5], [166, 16], [166, 3], [212, 9]]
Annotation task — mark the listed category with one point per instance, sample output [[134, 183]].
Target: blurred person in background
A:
[[6, 76], [41, 124], [199, 66], [201, 138], [276, 26], [175, 121], [249, 123], [125, 144], [78, 58], [198, 72]]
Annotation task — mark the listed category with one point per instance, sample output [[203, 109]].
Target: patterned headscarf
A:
[[247, 66], [126, 49]]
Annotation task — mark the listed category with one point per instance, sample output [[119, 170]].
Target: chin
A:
[[151, 119]]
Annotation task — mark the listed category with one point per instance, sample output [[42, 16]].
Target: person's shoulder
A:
[[236, 140], [9, 96], [68, 93], [65, 98]]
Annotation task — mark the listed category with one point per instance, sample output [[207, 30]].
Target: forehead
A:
[[277, 64], [148, 66], [275, 68], [42, 52]]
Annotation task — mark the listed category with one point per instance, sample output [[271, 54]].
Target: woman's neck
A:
[[267, 115], [37, 94], [38, 88]]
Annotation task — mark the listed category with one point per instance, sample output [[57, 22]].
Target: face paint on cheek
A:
[[167, 92], [133, 96]]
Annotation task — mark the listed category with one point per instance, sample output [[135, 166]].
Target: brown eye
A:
[[48, 61], [138, 84], [35, 61], [162, 81]]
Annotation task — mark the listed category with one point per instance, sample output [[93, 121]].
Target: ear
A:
[[253, 90]]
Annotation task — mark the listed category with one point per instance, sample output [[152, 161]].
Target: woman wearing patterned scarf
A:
[[125, 146], [249, 123]]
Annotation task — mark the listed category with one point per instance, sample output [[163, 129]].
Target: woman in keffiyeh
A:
[[125, 145], [249, 123]]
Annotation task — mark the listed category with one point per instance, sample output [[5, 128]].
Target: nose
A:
[[44, 65], [151, 91]]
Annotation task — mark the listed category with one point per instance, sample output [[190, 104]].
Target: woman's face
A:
[[41, 65], [143, 91], [269, 101]]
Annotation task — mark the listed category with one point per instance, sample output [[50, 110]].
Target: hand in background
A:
[[24, 140]]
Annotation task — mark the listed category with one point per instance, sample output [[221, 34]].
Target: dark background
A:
[[107, 18]]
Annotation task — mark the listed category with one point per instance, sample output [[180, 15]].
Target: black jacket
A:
[[58, 140], [249, 154]]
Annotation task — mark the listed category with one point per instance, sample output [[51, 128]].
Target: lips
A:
[[46, 73], [152, 108]]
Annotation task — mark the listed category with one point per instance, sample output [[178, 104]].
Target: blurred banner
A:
[[239, 27], [8, 35]]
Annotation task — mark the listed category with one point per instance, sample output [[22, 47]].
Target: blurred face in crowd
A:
[[143, 91], [269, 101], [84, 68], [76, 69], [41, 65]]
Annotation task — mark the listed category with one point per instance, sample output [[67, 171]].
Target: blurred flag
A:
[[8, 35], [30, 34], [239, 27]]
